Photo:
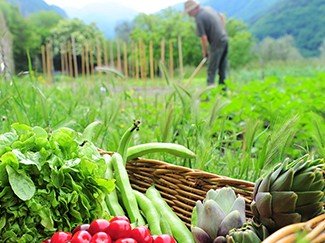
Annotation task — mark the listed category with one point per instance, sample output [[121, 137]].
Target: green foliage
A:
[[48, 182], [257, 123], [42, 23], [240, 9], [168, 25], [302, 19], [240, 43], [282, 49], [21, 32], [82, 33]]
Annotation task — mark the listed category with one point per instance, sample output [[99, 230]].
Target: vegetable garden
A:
[[113, 141], [54, 178]]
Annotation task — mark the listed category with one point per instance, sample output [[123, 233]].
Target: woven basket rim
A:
[[191, 171]]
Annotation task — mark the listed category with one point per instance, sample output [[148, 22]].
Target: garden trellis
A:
[[137, 60]]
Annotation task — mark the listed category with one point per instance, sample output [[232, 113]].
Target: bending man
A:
[[211, 29]]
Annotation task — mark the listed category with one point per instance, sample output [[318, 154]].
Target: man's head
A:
[[191, 7]]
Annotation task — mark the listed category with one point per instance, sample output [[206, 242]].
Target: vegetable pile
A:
[[117, 230], [292, 192], [48, 181], [54, 181]]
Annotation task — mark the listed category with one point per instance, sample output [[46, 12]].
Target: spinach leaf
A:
[[21, 184]]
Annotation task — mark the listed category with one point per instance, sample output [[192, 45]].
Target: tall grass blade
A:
[[278, 143]]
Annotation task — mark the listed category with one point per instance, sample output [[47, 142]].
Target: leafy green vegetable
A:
[[21, 184], [49, 182]]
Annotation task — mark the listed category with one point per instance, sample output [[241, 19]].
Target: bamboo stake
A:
[[119, 63], [125, 60], [74, 54], [87, 59], [83, 66], [152, 76], [180, 57], [43, 60], [62, 57], [66, 61], [171, 59], [131, 63], [141, 59], [105, 54], [49, 62], [70, 59], [111, 55], [136, 62], [162, 51], [91, 61], [99, 56]]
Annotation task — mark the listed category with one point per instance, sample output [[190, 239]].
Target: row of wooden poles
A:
[[135, 60]]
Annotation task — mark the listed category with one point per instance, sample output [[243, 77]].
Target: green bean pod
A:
[[178, 227], [123, 183], [151, 214], [125, 140], [165, 227], [147, 148], [111, 199]]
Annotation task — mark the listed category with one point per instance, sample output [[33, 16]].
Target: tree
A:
[[21, 34], [240, 43], [42, 23], [169, 25], [6, 58], [282, 49], [123, 31], [82, 33]]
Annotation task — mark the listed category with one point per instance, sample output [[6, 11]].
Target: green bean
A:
[[125, 140], [112, 199], [123, 183], [165, 227], [178, 227], [151, 214], [171, 148]]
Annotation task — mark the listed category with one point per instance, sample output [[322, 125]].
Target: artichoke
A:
[[251, 232], [220, 212], [291, 193]]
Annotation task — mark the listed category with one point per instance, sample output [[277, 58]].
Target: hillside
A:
[[303, 19], [240, 9], [28, 7]]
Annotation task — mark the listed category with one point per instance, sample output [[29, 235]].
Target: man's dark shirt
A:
[[209, 23]]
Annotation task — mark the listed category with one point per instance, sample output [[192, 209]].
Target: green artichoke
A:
[[251, 232], [220, 212], [291, 193]]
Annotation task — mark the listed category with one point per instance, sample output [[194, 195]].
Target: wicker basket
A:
[[181, 187]]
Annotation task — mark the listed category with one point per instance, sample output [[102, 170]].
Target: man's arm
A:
[[204, 44]]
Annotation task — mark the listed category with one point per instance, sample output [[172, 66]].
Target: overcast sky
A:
[[145, 6]]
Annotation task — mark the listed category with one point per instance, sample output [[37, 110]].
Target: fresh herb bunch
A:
[[49, 181]]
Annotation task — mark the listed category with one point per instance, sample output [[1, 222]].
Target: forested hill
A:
[[303, 19], [240, 9], [27, 7]]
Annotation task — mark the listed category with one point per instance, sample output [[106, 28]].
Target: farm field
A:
[[265, 115]]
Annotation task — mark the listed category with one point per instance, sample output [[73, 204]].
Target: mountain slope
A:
[[240, 9], [28, 7], [303, 19]]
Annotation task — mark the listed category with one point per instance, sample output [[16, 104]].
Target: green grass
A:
[[265, 116]]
